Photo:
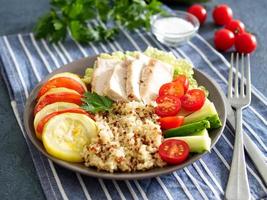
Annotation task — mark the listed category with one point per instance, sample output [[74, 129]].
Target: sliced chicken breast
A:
[[102, 74], [154, 75], [134, 70], [116, 86]]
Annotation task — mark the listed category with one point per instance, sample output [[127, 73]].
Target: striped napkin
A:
[[26, 61]]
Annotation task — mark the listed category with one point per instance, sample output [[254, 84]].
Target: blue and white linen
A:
[[25, 61]]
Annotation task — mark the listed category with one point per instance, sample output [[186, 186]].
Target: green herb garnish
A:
[[94, 103], [73, 15]]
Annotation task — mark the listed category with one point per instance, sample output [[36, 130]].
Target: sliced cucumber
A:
[[207, 112], [198, 143], [215, 121], [187, 129]]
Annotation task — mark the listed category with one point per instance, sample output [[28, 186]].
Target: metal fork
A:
[[238, 187]]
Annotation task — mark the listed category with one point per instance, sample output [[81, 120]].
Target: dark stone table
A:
[[18, 179]]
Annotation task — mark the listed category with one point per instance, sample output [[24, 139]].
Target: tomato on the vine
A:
[[245, 43], [199, 12], [224, 39], [222, 14], [236, 26]]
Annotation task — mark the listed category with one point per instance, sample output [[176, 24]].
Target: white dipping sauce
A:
[[173, 25]]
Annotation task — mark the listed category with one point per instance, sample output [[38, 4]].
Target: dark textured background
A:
[[18, 179]]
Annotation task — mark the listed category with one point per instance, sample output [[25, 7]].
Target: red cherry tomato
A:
[[224, 39], [167, 105], [171, 122], [173, 88], [222, 14], [182, 79], [174, 151], [193, 100], [245, 43], [61, 82], [43, 121], [59, 97], [199, 12], [236, 26]]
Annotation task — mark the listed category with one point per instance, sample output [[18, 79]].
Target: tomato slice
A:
[[193, 100], [58, 97], [173, 88], [43, 121], [168, 105], [171, 122], [61, 82], [182, 79], [174, 151]]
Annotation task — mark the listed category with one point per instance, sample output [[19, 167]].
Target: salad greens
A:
[[94, 103], [111, 15]]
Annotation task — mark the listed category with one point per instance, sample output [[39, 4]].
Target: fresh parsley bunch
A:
[[74, 15]]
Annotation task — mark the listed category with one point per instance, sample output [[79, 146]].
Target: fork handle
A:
[[237, 186]]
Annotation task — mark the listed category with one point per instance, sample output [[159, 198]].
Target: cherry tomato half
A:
[[168, 105], [182, 79], [58, 97], [173, 88], [224, 39], [222, 14], [245, 43], [61, 82], [199, 12], [193, 100], [174, 151], [171, 122], [236, 26], [43, 121]]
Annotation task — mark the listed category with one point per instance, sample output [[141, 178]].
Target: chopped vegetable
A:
[[61, 82], [187, 129], [57, 97], [88, 75], [183, 80], [171, 122], [174, 151], [198, 142], [94, 103], [54, 107], [65, 135], [193, 100], [207, 110], [167, 106], [173, 88], [43, 121]]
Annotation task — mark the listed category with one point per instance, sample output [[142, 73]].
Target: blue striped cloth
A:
[[26, 61]]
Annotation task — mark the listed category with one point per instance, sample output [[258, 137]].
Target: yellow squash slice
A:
[[54, 107], [65, 135]]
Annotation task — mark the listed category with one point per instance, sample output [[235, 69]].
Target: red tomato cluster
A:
[[233, 33], [175, 96]]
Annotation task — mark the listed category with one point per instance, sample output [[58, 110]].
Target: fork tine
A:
[[230, 77], [242, 86], [236, 75], [248, 88]]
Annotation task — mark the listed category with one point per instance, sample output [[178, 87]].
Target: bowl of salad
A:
[[125, 115]]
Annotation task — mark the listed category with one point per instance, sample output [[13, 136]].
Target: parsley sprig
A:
[[94, 103], [74, 15]]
